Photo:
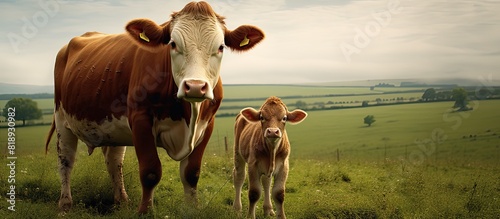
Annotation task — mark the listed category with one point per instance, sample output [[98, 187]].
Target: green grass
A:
[[383, 172], [312, 95], [397, 128], [242, 91]]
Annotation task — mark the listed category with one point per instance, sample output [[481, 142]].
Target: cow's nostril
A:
[[273, 133], [196, 88], [204, 88]]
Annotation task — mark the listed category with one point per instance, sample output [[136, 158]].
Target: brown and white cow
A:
[[153, 86], [262, 143]]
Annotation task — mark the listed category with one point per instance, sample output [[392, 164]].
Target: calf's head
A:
[[196, 38], [273, 115]]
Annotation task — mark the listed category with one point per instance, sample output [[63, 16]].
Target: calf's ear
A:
[[243, 38], [296, 116], [147, 32], [250, 114]]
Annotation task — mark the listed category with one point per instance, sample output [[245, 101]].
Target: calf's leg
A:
[[278, 192], [254, 190], [238, 179], [268, 206]]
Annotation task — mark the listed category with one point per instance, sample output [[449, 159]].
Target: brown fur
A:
[[261, 142], [99, 76]]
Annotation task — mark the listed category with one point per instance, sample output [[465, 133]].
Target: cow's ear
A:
[[147, 32], [250, 114], [296, 116], [243, 38]]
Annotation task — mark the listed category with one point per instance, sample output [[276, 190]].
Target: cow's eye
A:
[[284, 119], [221, 48], [261, 118], [173, 45]]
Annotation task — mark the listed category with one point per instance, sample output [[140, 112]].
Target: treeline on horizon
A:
[[443, 93], [30, 96]]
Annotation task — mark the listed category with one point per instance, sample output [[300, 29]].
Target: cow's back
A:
[[93, 73]]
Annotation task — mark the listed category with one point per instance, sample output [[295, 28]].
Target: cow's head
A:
[[273, 115], [196, 37]]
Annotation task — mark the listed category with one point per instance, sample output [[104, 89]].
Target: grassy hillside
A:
[[416, 161], [399, 130], [237, 97]]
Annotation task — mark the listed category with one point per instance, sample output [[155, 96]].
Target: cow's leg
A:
[[114, 162], [149, 164], [190, 173], [189, 170], [268, 206], [279, 190], [66, 150], [238, 179], [254, 190], [190, 167]]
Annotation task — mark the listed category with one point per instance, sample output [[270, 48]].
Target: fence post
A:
[[225, 144]]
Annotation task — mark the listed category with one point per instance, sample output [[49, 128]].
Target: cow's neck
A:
[[272, 146], [193, 125]]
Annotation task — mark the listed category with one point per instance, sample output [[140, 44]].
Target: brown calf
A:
[[262, 142]]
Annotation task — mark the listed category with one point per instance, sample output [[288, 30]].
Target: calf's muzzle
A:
[[273, 133]]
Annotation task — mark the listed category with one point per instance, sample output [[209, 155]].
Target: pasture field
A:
[[241, 91], [233, 107], [237, 97], [415, 161]]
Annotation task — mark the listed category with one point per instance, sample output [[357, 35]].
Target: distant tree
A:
[[444, 95], [25, 109], [429, 94], [300, 104], [364, 103], [369, 119], [459, 95], [496, 91], [379, 100], [483, 93]]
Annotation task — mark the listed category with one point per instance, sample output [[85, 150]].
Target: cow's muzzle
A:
[[273, 133], [195, 90]]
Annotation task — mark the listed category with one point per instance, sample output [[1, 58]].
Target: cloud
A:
[[303, 38]]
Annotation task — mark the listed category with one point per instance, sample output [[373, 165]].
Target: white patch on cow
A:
[[174, 136], [178, 138], [196, 55], [106, 133]]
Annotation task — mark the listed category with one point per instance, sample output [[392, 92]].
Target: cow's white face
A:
[[196, 37], [196, 48]]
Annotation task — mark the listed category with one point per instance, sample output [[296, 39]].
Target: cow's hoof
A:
[[122, 199], [237, 207], [269, 213], [65, 205]]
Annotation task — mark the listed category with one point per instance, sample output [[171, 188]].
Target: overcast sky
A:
[[306, 41]]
